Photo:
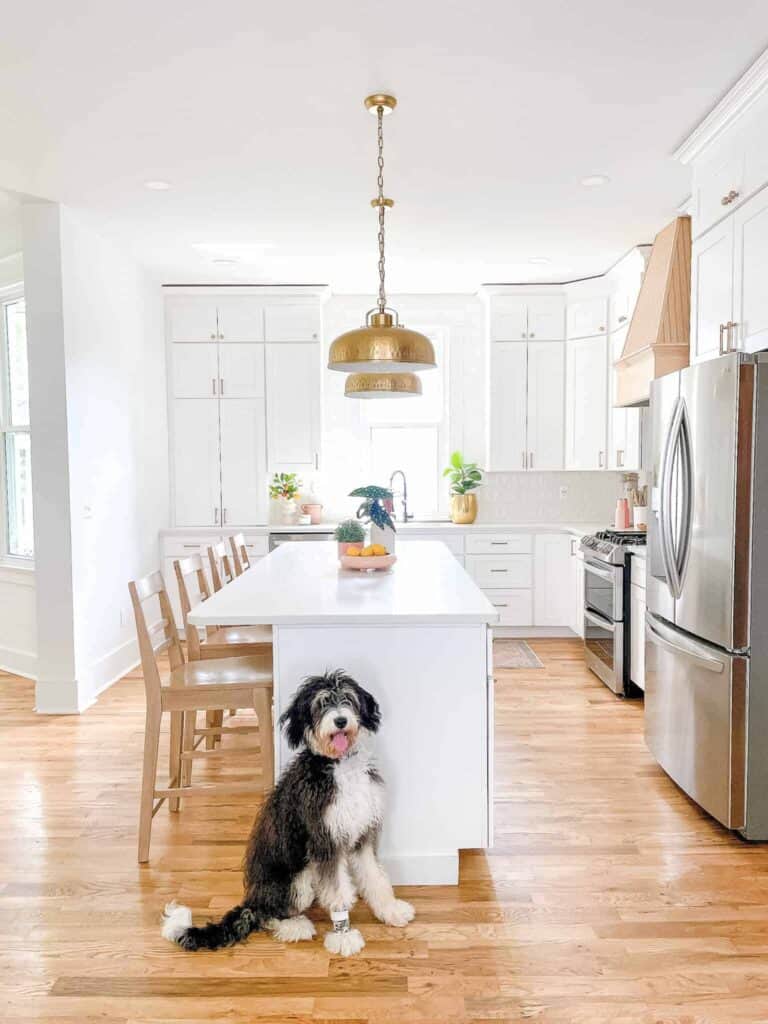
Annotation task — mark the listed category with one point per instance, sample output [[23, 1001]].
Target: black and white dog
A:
[[315, 837]]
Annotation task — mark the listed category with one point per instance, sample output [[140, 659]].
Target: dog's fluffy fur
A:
[[316, 836]]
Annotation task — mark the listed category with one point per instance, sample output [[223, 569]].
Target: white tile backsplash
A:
[[531, 497]]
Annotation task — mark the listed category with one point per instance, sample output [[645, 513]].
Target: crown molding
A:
[[739, 98]]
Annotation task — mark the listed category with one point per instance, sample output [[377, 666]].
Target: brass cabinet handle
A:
[[531, 335], [221, 385], [601, 460], [213, 385], [620, 458], [720, 344], [729, 327], [213, 337], [530, 460], [524, 461], [729, 198]]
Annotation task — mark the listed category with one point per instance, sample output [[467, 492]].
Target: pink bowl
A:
[[367, 563]]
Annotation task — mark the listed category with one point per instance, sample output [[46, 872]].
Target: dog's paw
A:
[[344, 943], [293, 929], [398, 914], [176, 920]]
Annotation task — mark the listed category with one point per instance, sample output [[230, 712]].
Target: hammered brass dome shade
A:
[[381, 347], [382, 385]]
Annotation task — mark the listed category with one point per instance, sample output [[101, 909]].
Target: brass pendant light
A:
[[383, 347]]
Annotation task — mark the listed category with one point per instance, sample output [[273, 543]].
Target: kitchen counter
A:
[[418, 639], [430, 527]]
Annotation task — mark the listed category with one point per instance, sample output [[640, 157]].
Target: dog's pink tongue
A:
[[339, 742]]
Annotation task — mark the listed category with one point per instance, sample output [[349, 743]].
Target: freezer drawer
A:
[[695, 715]]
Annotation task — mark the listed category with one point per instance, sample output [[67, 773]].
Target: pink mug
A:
[[313, 511]]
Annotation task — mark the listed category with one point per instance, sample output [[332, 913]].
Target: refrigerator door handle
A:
[[707, 662], [675, 550]]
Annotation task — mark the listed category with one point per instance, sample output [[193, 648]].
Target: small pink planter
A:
[[345, 545]]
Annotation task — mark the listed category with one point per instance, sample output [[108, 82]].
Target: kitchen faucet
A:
[[406, 515]]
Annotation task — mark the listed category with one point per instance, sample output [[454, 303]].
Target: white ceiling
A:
[[254, 113]]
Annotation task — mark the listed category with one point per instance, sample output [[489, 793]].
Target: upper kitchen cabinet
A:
[[586, 403], [293, 321], [624, 425], [293, 406], [546, 404], [750, 292], [527, 317], [711, 292], [191, 318], [241, 370], [587, 317], [240, 319], [194, 370]]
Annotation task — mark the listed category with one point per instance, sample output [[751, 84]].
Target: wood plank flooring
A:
[[608, 897]]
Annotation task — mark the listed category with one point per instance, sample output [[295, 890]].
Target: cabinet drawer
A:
[[499, 543], [257, 544], [492, 572], [515, 607], [184, 546], [455, 544]]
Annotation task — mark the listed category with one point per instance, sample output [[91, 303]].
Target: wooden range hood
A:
[[659, 332]]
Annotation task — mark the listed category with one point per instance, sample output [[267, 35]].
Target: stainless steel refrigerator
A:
[[706, 698]]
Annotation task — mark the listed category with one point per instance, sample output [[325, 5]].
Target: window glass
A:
[[415, 450], [16, 355], [18, 490]]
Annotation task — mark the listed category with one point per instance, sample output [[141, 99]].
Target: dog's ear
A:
[[296, 716], [370, 713]]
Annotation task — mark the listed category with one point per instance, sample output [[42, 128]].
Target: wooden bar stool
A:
[[209, 685], [240, 557], [220, 564]]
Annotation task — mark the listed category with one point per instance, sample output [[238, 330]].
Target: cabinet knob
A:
[[622, 319], [729, 198], [213, 337], [602, 328], [531, 335]]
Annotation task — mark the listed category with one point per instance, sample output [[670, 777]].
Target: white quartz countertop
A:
[[430, 527], [303, 584]]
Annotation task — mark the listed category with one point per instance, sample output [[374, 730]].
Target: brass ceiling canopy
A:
[[382, 346], [382, 385]]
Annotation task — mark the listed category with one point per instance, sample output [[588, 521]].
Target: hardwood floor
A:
[[608, 896]]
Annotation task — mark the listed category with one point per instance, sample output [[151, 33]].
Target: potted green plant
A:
[[284, 488], [374, 510], [349, 533], [465, 478]]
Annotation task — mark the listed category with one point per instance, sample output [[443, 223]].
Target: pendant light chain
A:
[[380, 182]]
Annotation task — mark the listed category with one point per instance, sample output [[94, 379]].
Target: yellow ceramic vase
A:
[[463, 508]]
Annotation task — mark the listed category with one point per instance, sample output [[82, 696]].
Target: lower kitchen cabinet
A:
[[554, 596], [515, 607]]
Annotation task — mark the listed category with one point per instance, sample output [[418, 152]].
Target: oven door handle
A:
[[604, 574], [598, 620]]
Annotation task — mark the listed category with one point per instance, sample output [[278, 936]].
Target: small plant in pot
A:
[[465, 477], [374, 510], [284, 488], [349, 533]]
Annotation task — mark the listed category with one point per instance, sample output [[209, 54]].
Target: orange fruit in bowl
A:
[[354, 552], [378, 549], [367, 552]]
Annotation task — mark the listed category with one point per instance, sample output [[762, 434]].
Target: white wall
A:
[[100, 479]]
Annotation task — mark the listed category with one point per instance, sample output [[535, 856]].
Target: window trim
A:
[[8, 294]]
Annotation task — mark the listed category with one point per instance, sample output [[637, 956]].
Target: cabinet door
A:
[[195, 370], [509, 319], [243, 462], [190, 318], [637, 635], [552, 598], [546, 404], [714, 182], [587, 403], [711, 289], [507, 447], [624, 425], [197, 496], [577, 588], [241, 370], [240, 319], [750, 290], [293, 322], [293, 406], [587, 317], [546, 318]]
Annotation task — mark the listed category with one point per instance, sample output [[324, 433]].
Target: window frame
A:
[[8, 295]]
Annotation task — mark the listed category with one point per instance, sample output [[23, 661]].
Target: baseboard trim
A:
[[18, 663], [532, 632], [110, 668], [60, 697], [422, 869]]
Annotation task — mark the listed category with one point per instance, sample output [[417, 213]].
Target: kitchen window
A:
[[412, 434], [16, 537]]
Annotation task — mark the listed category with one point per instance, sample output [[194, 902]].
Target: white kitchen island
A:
[[418, 639]]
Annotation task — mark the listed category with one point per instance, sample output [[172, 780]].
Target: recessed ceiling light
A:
[[595, 180], [221, 260], [158, 185], [539, 261]]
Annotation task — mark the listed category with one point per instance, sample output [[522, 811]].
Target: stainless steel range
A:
[[607, 622]]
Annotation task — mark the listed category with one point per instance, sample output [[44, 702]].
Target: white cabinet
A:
[[586, 403], [587, 317], [240, 319], [750, 291], [711, 290], [527, 318], [719, 184], [195, 370], [576, 581], [243, 462], [624, 425], [514, 607], [195, 458], [637, 635], [241, 370], [527, 406], [553, 600], [292, 322], [507, 444], [293, 406], [191, 318], [492, 572], [546, 405]]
